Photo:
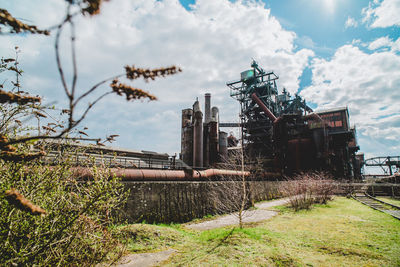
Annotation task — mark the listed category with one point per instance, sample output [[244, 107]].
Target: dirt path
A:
[[260, 214], [144, 259], [273, 203]]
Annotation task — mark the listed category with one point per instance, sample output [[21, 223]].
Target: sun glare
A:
[[326, 6], [329, 5]]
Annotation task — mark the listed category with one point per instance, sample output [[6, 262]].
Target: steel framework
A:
[[257, 125], [386, 163]]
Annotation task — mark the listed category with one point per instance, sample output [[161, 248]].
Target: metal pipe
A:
[[215, 114], [223, 145], [187, 115], [267, 112], [146, 174], [207, 108], [187, 137], [187, 145], [213, 142], [197, 136], [206, 143]]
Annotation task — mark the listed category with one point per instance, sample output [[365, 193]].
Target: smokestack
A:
[[187, 137], [207, 108], [223, 145], [206, 142], [197, 136], [213, 139], [213, 142], [215, 114]]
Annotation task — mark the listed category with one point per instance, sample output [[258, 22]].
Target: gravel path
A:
[[273, 203], [260, 214]]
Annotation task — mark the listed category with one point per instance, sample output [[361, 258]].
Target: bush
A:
[[73, 230], [306, 189]]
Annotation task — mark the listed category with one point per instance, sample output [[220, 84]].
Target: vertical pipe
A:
[[197, 136], [186, 117], [206, 143], [187, 137], [223, 145], [214, 136], [213, 142], [187, 151], [207, 108], [215, 115]]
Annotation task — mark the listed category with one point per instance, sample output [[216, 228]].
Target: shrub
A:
[[73, 230], [306, 189]]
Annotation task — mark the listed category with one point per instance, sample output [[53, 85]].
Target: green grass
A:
[[139, 238], [342, 233], [390, 200]]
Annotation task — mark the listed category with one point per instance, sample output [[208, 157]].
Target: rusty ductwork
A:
[[267, 112], [162, 175]]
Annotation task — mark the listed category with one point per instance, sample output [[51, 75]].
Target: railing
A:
[[90, 159]]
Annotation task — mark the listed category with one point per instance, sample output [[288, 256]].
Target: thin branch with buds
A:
[[131, 73]]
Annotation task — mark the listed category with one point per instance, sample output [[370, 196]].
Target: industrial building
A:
[[202, 142], [280, 133]]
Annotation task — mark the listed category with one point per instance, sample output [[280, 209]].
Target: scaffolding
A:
[[257, 124]]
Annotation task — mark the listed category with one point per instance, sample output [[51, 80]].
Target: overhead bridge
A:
[[385, 163], [229, 124]]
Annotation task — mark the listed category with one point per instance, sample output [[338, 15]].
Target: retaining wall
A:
[[182, 201]]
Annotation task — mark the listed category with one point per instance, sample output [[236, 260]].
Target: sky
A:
[[334, 53]]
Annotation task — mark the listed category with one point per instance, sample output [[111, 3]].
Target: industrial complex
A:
[[280, 133], [280, 136]]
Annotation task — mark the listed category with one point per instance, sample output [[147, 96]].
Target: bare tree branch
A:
[[91, 90], [89, 107], [74, 65], [59, 66]]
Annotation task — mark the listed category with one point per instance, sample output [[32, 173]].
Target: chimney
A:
[[207, 108]]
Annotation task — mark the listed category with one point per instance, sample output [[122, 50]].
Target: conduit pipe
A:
[[146, 174], [313, 116], [270, 115]]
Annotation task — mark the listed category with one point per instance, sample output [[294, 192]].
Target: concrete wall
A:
[[175, 201], [182, 201]]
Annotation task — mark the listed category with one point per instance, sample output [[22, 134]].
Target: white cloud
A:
[[369, 85], [381, 14], [212, 43], [350, 22], [306, 41], [385, 43], [358, 42], [380, 42], [396, 45]]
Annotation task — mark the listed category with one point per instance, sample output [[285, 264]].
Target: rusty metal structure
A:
[[389, 165], [162, 175], [203, 145], [281, 134], [131, 165], [285, 132]]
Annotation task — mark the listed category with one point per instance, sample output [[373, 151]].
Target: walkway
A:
[[151, 259], [260, 214]]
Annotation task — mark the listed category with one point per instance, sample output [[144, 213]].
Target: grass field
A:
[[342, 233], [390, 200]]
